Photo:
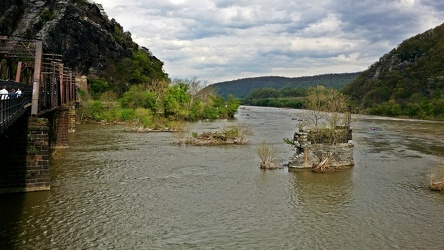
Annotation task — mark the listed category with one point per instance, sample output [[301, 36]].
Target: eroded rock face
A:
[[10, 13], [88, 41]]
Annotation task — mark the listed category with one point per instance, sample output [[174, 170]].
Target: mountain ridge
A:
[[240, 88]]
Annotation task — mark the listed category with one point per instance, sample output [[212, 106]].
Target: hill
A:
[[407, 81], [242, 87], [89, 42]]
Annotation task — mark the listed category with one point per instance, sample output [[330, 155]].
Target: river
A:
[[117, 190]]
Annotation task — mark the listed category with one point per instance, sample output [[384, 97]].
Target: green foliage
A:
[[93, 111], [145, 117], [108, 96], [280, 98], [231, 106], [242, 87], [176, 101], [158, 106], [138, 97], [98, 86], [141, 69], [407, 81], [128, 115]]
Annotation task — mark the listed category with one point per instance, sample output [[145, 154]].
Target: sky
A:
[[224, 40]]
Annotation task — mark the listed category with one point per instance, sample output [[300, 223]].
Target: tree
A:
[[327, 107], [176, 101], [336, 106], [316, 104]]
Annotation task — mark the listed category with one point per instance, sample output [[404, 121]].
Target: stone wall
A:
[[308, 154]]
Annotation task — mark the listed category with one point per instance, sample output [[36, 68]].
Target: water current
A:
[[117, 190]]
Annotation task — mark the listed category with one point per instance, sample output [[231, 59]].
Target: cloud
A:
[[225, 39]]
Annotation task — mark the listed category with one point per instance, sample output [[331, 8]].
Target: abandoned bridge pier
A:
[[35, 121]]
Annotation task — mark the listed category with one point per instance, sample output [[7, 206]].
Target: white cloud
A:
[[226, 39]]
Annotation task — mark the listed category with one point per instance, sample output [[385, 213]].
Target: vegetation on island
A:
[[268, 156], [327, 121], [236, 134]]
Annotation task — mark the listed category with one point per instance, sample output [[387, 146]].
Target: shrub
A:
[[268, 156], [92, 111], [436, 179], [128, 114], [145, 117]]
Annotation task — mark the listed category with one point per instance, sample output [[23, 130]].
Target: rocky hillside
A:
[[407, 81], [79, 30]]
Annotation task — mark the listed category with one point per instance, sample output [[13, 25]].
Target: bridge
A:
[[37, 110]]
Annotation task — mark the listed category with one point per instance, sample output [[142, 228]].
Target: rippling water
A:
[[118, 190]]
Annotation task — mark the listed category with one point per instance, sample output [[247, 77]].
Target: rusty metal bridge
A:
[[44, 83]]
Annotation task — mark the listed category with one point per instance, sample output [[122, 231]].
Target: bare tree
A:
[[315, 103]]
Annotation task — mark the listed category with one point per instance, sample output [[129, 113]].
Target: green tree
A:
[[176, 101]]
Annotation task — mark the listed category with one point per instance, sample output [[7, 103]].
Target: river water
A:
[[118, 190]]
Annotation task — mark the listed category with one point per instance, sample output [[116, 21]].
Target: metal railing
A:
[[13, 105]]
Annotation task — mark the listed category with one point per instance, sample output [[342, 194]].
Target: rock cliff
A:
[[88, 41], [407, 81]]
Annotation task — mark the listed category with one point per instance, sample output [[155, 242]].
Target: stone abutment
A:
[[27, 146]]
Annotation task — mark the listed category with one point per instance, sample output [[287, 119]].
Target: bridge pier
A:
[[60, 119], [38, 153], [26, 149]]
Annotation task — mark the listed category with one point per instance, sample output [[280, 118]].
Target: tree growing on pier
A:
[[329, 121]]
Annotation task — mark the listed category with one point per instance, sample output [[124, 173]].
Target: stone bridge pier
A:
[[27, 146]]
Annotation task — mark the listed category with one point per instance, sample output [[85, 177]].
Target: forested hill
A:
[[407, 81], [89, 42], [241, 87]]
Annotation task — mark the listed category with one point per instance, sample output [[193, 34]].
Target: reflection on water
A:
[[120, 190]]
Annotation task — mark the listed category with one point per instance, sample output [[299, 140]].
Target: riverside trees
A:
[[161, 104]]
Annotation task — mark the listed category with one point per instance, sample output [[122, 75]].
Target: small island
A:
[[227, 135]]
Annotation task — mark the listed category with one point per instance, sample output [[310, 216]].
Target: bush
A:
[[268, 156], [145, 117], [128, 115], [436, 179], [92, 111]]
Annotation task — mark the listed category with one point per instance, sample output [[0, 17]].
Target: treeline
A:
[[159, 104], [242, 87], [281, 98], [406, 82]]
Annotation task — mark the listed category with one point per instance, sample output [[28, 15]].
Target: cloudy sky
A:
[[223, 40]]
